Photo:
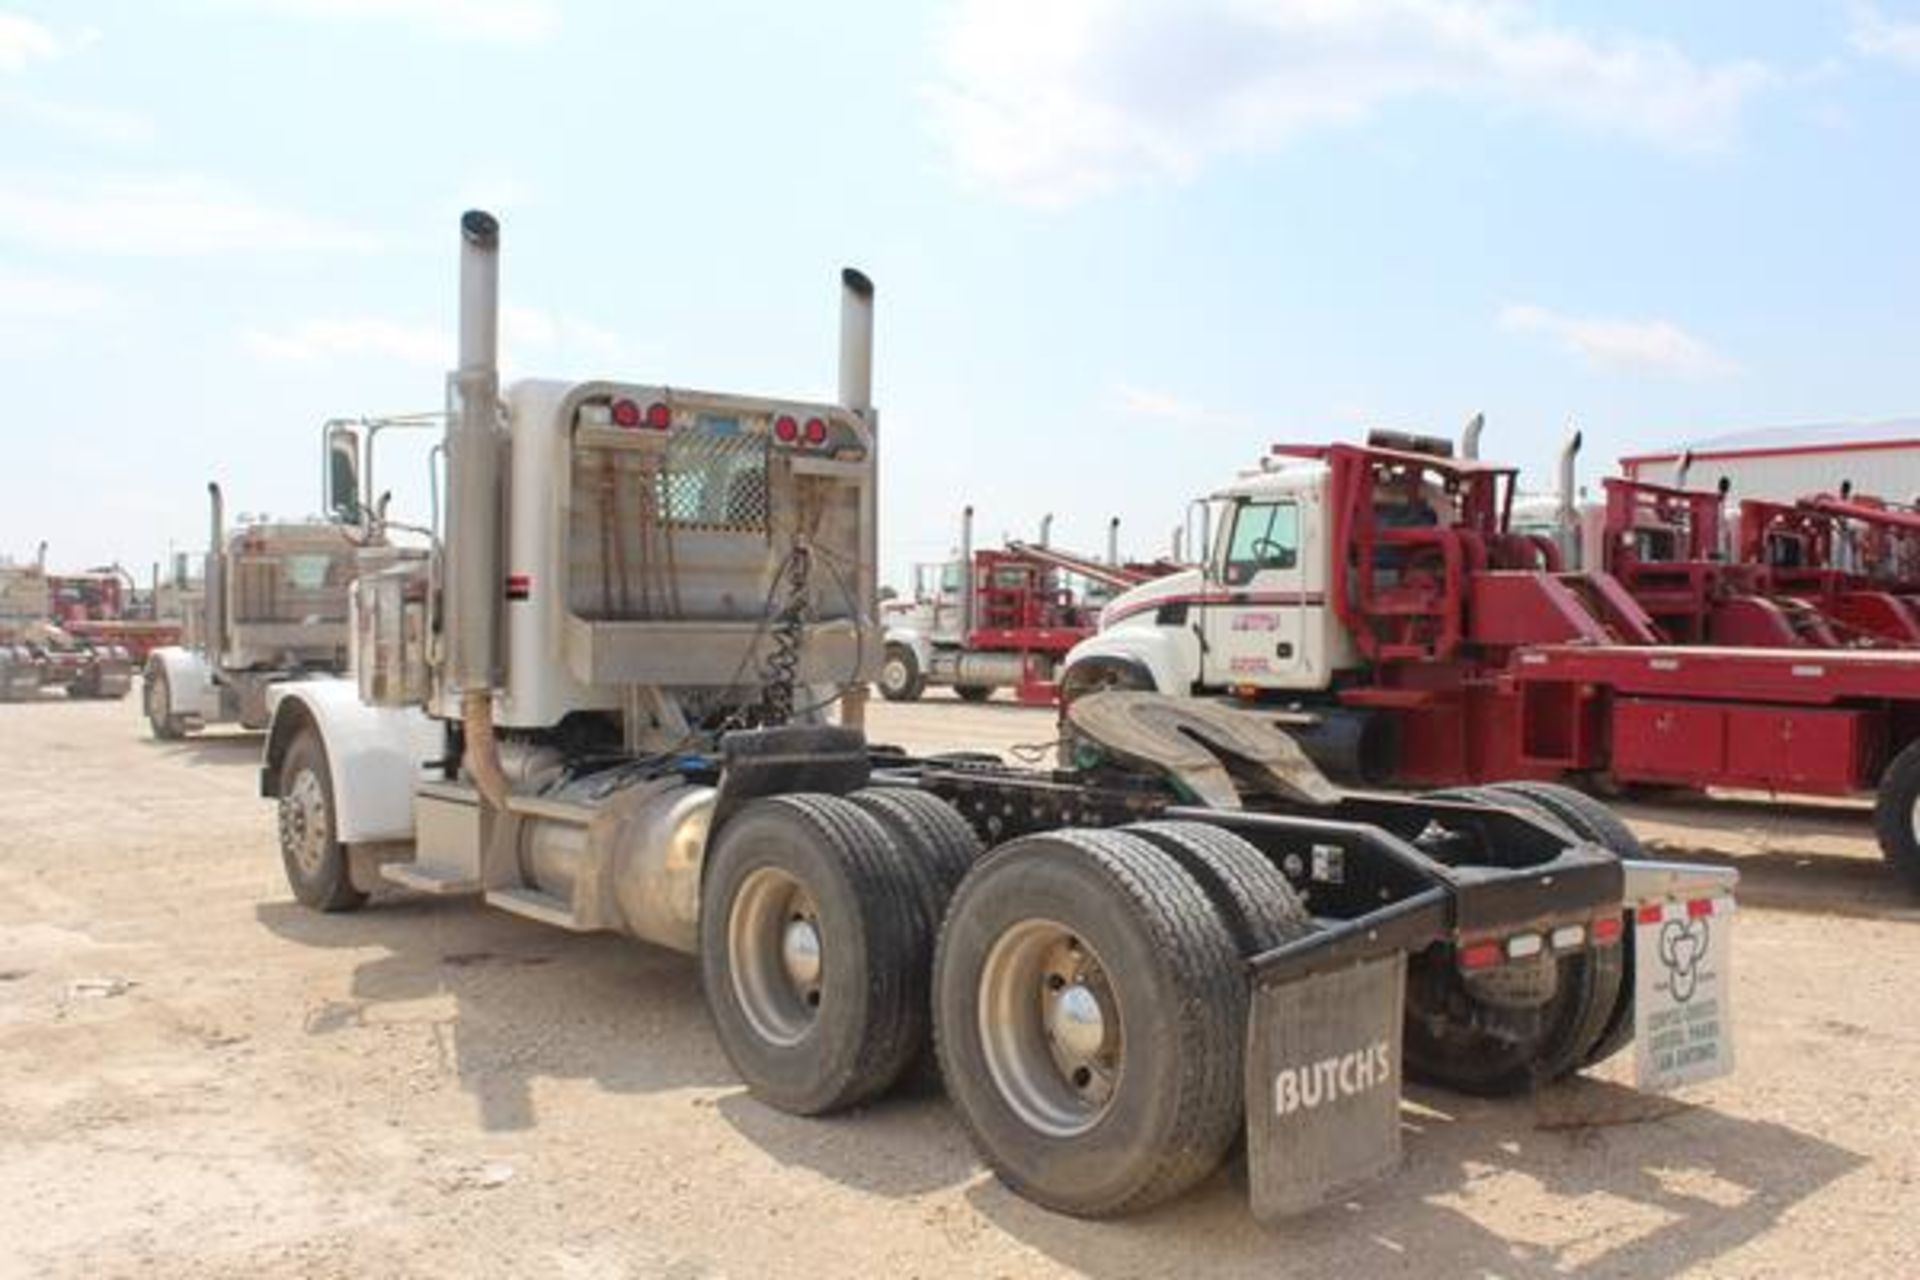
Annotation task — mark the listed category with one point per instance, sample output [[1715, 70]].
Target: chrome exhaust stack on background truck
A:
[[608, 706]]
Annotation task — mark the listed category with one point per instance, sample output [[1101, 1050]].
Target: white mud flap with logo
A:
[[1323, 1085], [1683, 971]]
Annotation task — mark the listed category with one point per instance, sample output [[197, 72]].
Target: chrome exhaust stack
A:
[[1470, 437], [1568, 515], [966, 573], [856, 395], [1113, 541], [213, 578], [1046, 530], [856, 342], [474, 581]]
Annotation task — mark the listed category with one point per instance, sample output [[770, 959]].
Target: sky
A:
[[1120, 248]]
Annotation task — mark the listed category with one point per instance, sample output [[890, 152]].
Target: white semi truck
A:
[[604, 703]]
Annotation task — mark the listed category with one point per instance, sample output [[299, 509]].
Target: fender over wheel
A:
[[315, 860]]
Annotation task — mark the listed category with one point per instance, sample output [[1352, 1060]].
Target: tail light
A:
[[785, 429], [626, 414], [659, 416], [816, 431]]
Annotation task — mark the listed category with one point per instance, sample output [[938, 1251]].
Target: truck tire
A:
[[1048, 940], [1444, 1044], [927, 834], [1259, 904], [937, 847], [1592, 820], [1896, 815], [814, 946], [973, 692], [316, 862], [158, 697], [901, 679]]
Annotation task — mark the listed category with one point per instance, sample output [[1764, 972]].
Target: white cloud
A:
[[526, 333], [509, 21], [34, 295], [95, 124], [1875, 35], [1052, 103], [176, 216], [24, 41], [1639, 346], [353, 338], [1144, 402]]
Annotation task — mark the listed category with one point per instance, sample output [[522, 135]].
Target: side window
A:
[[1266, 535]]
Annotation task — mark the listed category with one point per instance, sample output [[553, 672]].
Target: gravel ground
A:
[[199, 1078]]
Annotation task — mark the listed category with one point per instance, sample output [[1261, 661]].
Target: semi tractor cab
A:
[[606, 700]]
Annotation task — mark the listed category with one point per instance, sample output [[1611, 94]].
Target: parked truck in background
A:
[[37, 652], [998, 617], [605, 701]]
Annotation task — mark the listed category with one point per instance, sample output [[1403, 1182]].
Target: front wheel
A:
[[901, 679], [158, 697], [315, 860], [1896, 815]]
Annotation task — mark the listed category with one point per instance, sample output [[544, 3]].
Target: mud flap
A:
[[1323, 1084]]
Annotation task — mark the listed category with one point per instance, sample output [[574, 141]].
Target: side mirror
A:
[[343, 475]]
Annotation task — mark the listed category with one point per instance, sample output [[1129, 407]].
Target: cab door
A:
[[1253, 622]]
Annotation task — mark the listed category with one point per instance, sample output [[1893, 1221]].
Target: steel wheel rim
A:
[[306, 830], [775, 957], [893, 675], [1050, 1028]]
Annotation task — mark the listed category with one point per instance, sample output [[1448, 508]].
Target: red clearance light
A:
[[816, 431], [659, 417], [785, 429], [1605, 929], [1479, 955], [626, 414]]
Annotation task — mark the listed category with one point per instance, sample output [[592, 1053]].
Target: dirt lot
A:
[[199, 1078]]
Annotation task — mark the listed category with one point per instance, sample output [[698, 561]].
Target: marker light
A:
[[1479, 955], [816, 431], [626, 414], [785, 429], [659, 417]]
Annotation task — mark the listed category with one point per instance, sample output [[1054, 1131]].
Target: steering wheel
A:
[[1271, 554]]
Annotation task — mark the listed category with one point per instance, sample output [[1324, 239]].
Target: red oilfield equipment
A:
[[1855, 558], [1398, 612]]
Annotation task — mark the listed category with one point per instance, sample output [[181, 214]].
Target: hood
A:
[[1137, 601]]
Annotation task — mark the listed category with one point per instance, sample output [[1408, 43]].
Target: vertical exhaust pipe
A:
[[856, 342], [856, 395], [1681, 468], [473, 577], [966, 573], [1568, 516], [1046, 530], [1470, 438], [213, 578], [1113, 541], [1179, 544]]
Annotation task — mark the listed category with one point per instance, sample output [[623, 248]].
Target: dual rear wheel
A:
[[1083, 990]]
